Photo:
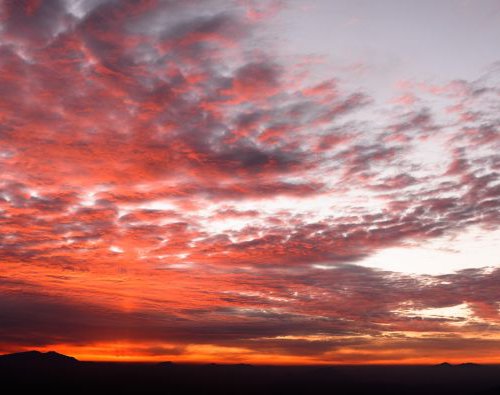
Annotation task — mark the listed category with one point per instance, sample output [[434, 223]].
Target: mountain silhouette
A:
[[54, 373], [166, 364], [37, 357], [469, 365], [461, 365]]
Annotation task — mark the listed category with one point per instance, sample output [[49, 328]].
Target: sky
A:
[[258, 181]]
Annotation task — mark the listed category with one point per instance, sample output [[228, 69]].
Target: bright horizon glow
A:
[[209, 354]]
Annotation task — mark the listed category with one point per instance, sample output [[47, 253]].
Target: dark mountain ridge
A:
[[459, 365], [54, 373], [37, 357]]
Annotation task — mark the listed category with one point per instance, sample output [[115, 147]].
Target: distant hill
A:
[[469, 365], [460, 365], [37, 357], [53, 373], [166, 363]]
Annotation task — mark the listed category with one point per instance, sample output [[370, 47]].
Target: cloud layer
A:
[[171, 184]]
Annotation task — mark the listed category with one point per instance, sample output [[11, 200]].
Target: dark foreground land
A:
[[52, 373]]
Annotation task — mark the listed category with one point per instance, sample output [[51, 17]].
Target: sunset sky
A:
[[261, 181]]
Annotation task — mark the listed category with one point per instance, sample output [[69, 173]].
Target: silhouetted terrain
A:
[[36, 357], [35, 372]]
